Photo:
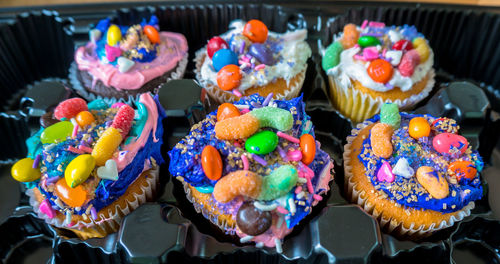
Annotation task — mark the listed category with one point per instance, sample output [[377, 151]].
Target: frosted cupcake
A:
[[94, 165], [375, 63], [414, 173], [253, 168], [122, 62], [249, 59]]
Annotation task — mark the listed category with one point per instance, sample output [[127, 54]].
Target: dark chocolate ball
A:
[[48, 119], [253, 221]]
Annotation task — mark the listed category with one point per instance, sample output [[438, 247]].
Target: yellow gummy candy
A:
[[422, 49], [106, 146]]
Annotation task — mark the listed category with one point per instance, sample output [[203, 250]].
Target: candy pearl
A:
[[23, 171], [444, 142], [84, 118], [366, 41], [385, 173], [152, 34], [256, 31], [224, 57], [57, 132], [211, 163], [79, 169], [295, 155], [215, 44], [380, 70], [262, 142], [74, 197], [463, 169], [434, 183], [262, 53], [227, 110], [253, 221], [114, 35], [308, 148], [419, 127]]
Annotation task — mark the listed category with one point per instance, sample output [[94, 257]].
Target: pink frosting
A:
[[173, 48]]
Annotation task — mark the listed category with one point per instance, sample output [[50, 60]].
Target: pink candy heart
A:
[[370, 53], [46, 208], [385, 173], [112, 52]]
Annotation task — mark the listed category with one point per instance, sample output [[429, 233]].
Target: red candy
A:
[[255, 30], [408, 63], [380, 70], [123, 119], [227, 110], [229, 77], [70, 108], [463, 169], [152, 34], [215, 44], [404, 45]]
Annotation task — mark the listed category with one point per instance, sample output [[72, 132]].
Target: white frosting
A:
[[294, 54]]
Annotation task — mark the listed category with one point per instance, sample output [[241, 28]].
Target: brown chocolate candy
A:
[[253, 221], [48, 119]]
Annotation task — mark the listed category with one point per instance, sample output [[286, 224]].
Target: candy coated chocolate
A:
[[253, 221]]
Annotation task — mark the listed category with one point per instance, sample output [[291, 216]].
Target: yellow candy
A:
[[79, 170], [422, 49], [114, 35], [106, 146], [23, 171]]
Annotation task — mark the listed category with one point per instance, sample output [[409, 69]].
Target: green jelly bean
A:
[[97, 104], [262, 142], [367, 41], [332, 56], [57, 132], [273, 117], [140, 122], [34, 145], [278, 183], [389, 114]]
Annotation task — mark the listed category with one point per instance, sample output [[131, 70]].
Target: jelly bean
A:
[[57, 132], [262, 53], [74, 197], [46, 208], [215, 44], [237, 127], [331, 58], [395, 56], [408, 63], [84, 118], [402, 168], [97, 104], [152, 34], [295, 155], [380, 139], [422, 48], [389, 114], [380, 70], [462, 169], [278, 183], [262, 143], [229, 77], [419, 127], [367, 41], [224, 57], [350, 37], [445, 142], [23, 171], [69, 108], [227, 110], [308, 148], [433, 182], [384, 173], [123, 119], [211, 163], [124, 64], [79, 169], [255, 30], [403, 45], [109, 171], [112, 52], [106, 145], [237, 183], [273, 117], [114, 35], [252, 221]]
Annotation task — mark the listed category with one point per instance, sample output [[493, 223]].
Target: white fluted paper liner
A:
[[76, 85], [358, 106], [390, 225], [222, 96], [111, 223]]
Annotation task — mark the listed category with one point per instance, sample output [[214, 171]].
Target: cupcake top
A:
[[248, 55], [88, 159], [421, 161], [268, 163], [380, 57], [127, 57]]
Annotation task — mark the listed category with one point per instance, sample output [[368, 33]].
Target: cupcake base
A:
[[392, 217]]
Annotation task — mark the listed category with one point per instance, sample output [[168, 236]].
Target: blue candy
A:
[[224, 57]]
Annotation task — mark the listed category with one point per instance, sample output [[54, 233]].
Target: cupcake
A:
[[249, 59], [253, 168], [94, 165], [122, 62], [414, 173], [375, 64]]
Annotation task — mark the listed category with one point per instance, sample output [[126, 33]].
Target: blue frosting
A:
[[460, 194]]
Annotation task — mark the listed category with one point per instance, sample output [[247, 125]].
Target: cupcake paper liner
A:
[[387, 223]]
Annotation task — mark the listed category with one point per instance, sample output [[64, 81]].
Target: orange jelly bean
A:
[[256, 31], [74, 197], [152, 34], [419, 127], [211, 163], [463, 169], [308, 148], [227, 110], [84, 118], [380, 70], [229, 77], [351, 36]]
